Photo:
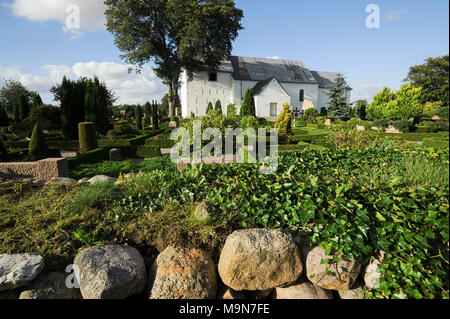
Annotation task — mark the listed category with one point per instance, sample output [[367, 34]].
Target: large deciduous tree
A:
[[10, 94], [433, 78], [174, 34]]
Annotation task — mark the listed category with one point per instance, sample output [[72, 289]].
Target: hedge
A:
[[142, 151], [94, 156], [317, 126], [308, 138], [430, 142]]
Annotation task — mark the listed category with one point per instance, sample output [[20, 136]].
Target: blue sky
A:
[[328, 35]]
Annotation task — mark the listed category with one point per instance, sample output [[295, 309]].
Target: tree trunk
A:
[[171, 101]]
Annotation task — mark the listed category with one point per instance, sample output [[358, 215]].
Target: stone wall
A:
[[46, 169]]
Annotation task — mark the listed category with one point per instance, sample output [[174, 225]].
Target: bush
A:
[[402, 125], [218, 107], [124, 128], [209, 108], [248, 105], [249, 122], [38, 147], [94, 156], [423, 129], [175, 119], [3, 150], [284, 124], [311, 113], [138, 117], [321, 119], [112, 134], [430, 142], [87, 137], [381, 123], [433, 127], [231, 109], [323, 111]]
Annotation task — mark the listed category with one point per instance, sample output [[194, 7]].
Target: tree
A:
[[284, 124], [231, 110], [174, 35], [338, 106], [23, 108], [406, 105], [360, 109], [155, 119], [4, 119], [148, 109], [379, 103], [218, 107], [248, 105], [97, 102], [209, 108], [37, 101], [9, 96], [38, 148], [433, 78], [138, 117]]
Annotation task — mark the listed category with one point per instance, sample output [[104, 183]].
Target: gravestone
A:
[[360, 128], [115, 155], [328, 122], [173, 124]]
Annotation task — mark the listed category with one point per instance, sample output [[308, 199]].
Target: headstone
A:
[[115, 155], [68, 154], [391, 129], [360, 128], [173, 124], [328, 122]]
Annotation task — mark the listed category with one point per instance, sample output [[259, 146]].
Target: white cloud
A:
[[130, 88], [393, 15], [365, 91], [91, 15]]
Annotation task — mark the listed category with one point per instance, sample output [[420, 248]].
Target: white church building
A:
[[274, 82]]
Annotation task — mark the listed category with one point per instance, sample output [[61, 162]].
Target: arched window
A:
[[302, 95]]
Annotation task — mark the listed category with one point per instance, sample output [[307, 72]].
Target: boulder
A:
[[83, 181], [61, 181], [203, 211], [115, 155], [303, 290], [101, 179], [181, 273], [260, 259], [19, 270], [392, 130], [50, 286], [372, 275], [230, 294], [356, 293], [110, 272], [343, 273]]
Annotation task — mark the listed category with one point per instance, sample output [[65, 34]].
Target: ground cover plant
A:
[[353, 201]]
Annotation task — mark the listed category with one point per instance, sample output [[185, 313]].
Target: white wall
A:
[[311, 93], [273, 93], [197, 93]]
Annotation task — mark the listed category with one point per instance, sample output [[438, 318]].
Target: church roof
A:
[[326, 79], [260, 69], [261, 86]]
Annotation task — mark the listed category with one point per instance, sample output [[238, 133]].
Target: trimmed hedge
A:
[[142, 151], [87, 136], [423, 129], [429, 142], [308, 138], [91, 157]]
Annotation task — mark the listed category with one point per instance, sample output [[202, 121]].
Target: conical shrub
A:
[[87, 137], [38, 148], [3, 150]]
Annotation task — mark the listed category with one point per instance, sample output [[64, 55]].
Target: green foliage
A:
[[248, 105], [432, 108], [4, 119], [430, 142], [379, 103], [185, 27], [218, 107], [311, 113], [10, 94], [360, 109], [71, 95], [155, 117], [284, 124], [138, 117], [433, 78], [338, 106], [148, 109], [231, 109], [406, 105], [3, 150], [38, 147], [23, 107], [87, 137], [97, 101], [91, 157], [209, 108], [402, 125], [37, 101], [381, 123]]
